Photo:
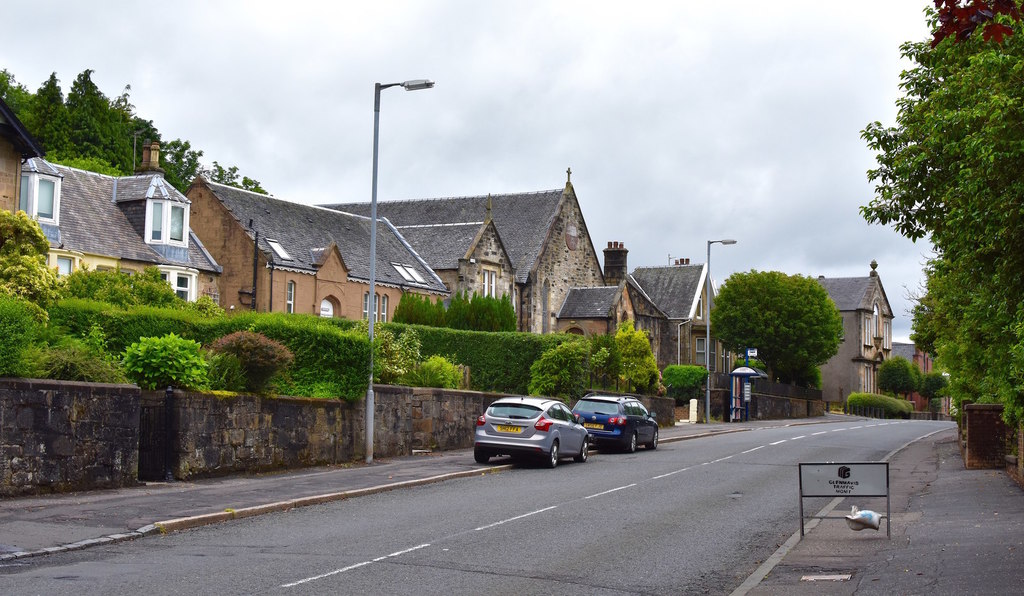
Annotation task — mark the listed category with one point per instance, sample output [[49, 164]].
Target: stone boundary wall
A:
[[60, 436], [983, 441]]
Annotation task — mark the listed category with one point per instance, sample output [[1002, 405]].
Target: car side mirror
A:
[[652, 415]]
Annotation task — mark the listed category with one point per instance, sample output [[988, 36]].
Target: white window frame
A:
[[329, 313], [384, 308], [30, 189], [165, 222], [289, 297], [700, 352], [173, 277], [490, 282], [366, 306], [409, 273], [887, 335], [866, 330]]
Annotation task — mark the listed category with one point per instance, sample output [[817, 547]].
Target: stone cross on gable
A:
[[568, 175]]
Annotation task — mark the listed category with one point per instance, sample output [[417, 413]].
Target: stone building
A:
[[124, 223], [539, 250], [280, 256], [867, 335]]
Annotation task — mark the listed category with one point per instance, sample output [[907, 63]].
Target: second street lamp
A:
[[371, 302], [707, 338]]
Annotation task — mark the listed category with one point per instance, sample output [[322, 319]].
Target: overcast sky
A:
[[682, 121]]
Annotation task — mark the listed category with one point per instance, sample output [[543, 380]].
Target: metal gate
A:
[[154, 438]]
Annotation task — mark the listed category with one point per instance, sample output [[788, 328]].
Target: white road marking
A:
[[800, 437], [835, 430], [351, 567], [670, 474], [778, 442], [855, 427], [824, 432], [752, 450], [722, 459], [505, 521], [611, 491]]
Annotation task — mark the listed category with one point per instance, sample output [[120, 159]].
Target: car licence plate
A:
[[508, 428], [593, 425]]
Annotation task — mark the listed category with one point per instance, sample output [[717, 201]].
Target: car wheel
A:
[[553, 455], [631, 446], [481, 456], [584, 452], [654, 440]]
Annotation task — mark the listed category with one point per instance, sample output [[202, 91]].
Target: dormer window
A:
[[39, 197], [166, 222]]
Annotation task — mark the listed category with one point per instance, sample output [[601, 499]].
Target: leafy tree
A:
[[896, 375], [638, 364], [23, 270], [790, 319], [91, 164], [229, 176], [605, 359], [933, 385], [948, 171], [16, 328], [181, 163], [414, 309], [96, 130], [561, 372], [14, 94]]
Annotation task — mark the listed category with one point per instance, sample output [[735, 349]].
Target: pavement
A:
[[954, 531]]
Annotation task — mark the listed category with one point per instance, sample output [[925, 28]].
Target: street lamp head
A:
[[417, 84], [728, 242]]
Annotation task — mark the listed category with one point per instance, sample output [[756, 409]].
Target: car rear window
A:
[[597, 406], [521, 411]]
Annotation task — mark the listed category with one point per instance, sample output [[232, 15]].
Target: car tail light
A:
[[543, 424], [617, 420], [480, 420]]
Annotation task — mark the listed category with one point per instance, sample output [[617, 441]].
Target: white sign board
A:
[[751, 352], [867, 479]]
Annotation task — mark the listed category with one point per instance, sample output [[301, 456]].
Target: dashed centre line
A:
[[351, 567], [505, 521], [609, 491], [752, 450], [778, 442]]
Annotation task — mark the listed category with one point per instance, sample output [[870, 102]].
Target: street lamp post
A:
[[371, 303], [707, 339]]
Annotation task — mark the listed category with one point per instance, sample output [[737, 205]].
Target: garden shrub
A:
[[225, 372], [892, 407], [562, 372], [684, 382], [16, 328], [169, 360], [435, 371], [638, 364], [259, 356], [72, 359]]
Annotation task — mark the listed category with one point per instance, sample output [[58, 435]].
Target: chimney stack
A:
[[150, 158], [615, 263]]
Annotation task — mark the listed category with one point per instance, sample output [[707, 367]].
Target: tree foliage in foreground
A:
[[790, 319], [949, 171]]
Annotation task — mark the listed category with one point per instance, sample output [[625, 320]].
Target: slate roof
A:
[[589, 303], [673, 289], [522, 220], [14, 131], [903, 349], [91, 222], [304, 231], [849, 293]]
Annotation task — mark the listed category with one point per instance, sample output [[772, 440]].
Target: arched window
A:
[[327, 308]]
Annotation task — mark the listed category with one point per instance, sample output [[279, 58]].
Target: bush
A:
[[638, 364], [259, 357], [414, 309], [72, 359], [16, 328], [892, 407], [897, 375], [436, 371], [169, 360], [562, 372], [121, 289], [225, 373], [684, 382]]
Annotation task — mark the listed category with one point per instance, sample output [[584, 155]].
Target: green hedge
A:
[[329, 360], [16, 328], [498, 361], [893, 407], [684, 382]]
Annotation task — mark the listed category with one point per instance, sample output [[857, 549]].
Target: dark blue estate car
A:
[[621, 421]]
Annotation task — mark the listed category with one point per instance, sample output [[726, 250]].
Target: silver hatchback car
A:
[[531, 426]]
